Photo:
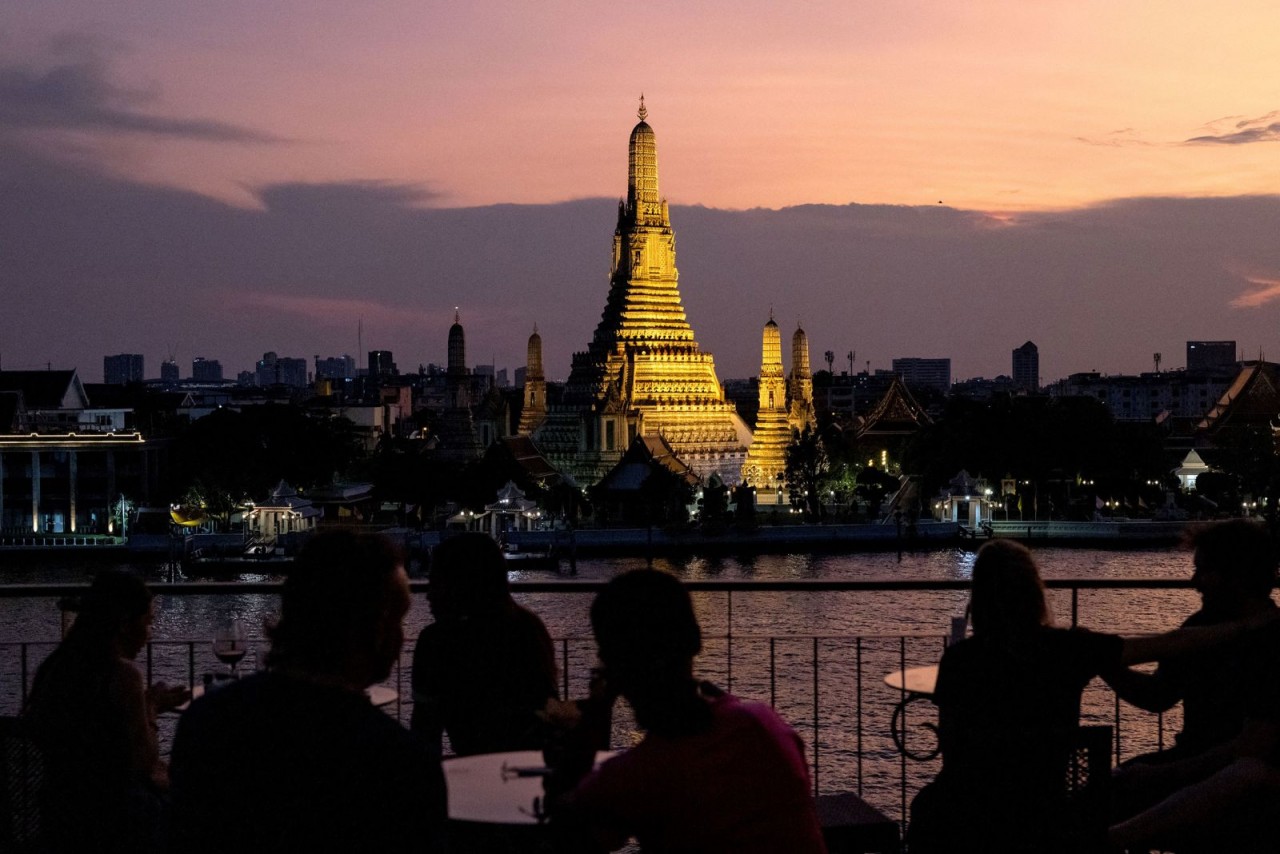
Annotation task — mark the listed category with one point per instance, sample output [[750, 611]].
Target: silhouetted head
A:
[[468, 577], [342, 608], [1008, 595], [645, 628], [114, 613], [1235, 562]]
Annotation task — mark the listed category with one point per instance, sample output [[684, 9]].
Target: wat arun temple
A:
[[643, 373]]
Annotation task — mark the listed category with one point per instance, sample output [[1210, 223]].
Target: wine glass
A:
[[230, 645]]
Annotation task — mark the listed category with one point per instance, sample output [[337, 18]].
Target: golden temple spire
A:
[[642, 177]]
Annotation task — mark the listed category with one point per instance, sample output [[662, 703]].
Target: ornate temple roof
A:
[[898, 413], [1253, 399]]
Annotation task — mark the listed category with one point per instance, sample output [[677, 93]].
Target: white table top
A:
[[497, 788], [914, 680]]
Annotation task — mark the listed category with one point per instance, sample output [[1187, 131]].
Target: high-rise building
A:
[[122, 369], [206, 370], [281, 370], [924, 373], [170, 373], [381, 364], [1026, 367], [1207, 355], [643, 372], [335, 367]]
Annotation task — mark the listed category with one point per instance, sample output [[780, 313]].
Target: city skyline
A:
[[926, 182]]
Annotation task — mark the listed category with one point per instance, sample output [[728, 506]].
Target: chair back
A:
[[1088, 780], [21, 788]]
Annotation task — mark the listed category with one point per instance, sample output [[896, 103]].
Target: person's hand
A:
[[564, 714], [1137, 777], [166, 698], [1263, 619]]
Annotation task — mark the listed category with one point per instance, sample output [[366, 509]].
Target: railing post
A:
[[729, 641], [564, 668], [23, 656], [773, 672], [902, 754], [815, 717], [857, 679], [1075, 606]]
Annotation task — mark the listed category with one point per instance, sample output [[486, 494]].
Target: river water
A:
[[829, 650]]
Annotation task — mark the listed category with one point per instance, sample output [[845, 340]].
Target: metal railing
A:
[[830, 687]]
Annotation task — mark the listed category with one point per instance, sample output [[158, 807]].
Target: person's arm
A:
[[129, 695], [1179, 641], [1152, 692], [427, 720]]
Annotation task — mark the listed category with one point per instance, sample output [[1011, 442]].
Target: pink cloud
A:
[[1262, 291]]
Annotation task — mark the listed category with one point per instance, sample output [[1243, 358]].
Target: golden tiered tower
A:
[[800, 385], [643, 373], [534, 411], [766, 463]]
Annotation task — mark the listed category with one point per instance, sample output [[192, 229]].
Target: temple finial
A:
[[643, 112], [457, 318], [771, 313], [535, 328]]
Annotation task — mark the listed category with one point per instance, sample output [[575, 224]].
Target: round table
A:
[[498, 788], [916, 684], [495, 788]]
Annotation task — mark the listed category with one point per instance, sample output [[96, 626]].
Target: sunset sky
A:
[[1013, 115]]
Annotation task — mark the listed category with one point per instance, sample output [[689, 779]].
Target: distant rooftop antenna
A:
[[1156, 358], [360, 337]]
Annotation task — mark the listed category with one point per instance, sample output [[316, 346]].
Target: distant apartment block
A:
[[1180, 394], [336, 367], [1207, 355], [206, 370], [170, 373], [281, 370], [122, 369], [1026, 367], [843, 394], [924, 373]]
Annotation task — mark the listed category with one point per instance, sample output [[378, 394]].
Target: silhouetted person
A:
[[93, 717], [1235, 571], [1008, 707], [713, 773], [485, 669], [296, 758], [1222, 798]]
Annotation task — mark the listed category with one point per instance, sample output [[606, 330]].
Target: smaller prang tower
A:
[[456, 428], [535, 388], [767, 457], [800, 385]]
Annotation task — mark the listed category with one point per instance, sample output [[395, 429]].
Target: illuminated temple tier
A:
[[643, 372]]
